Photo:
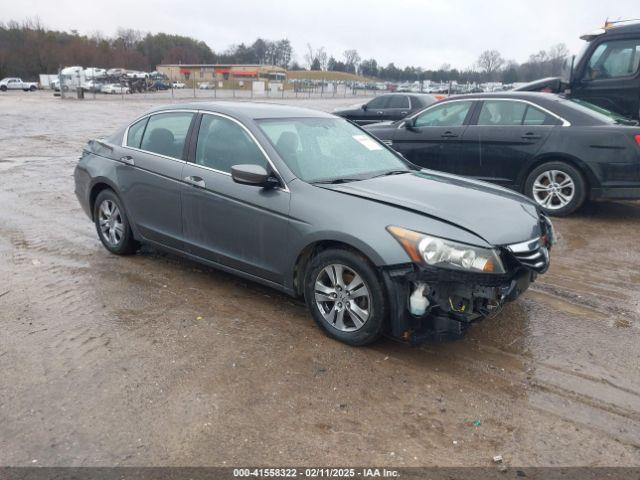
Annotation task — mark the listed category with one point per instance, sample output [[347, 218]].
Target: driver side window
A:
[[378, 102], [450, 114], [223, 143], [619, 58]]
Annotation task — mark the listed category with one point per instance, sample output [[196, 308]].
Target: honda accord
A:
[[309, 204]]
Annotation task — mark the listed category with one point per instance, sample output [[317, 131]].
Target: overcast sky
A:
[[423, 33]]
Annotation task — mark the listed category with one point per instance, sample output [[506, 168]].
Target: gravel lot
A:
[[105, 362]]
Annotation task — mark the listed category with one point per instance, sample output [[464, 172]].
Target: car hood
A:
[[379, 125], [496, 215]]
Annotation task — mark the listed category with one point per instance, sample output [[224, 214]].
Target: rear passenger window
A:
[[134, 137], [534, 116], [399, 101], [500, 112], [166, 134], [223, 143]]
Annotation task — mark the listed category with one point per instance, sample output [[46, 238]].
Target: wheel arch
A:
[[575, 162], [317, 245], [99, 185]]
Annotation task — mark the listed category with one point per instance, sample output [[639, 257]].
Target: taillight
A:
[[637, 137]]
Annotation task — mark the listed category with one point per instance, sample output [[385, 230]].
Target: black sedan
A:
[[390, 106], [558, 151]]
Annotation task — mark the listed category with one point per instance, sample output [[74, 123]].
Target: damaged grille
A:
[[531, 254]]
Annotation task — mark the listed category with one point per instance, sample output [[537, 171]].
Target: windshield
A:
[[327, 149], [601, 113]]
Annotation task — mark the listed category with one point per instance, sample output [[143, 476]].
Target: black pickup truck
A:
[[605, 73]]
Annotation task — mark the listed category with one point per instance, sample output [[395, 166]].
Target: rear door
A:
[[240, 226], [504, 136], [150, 175], [434, 141]]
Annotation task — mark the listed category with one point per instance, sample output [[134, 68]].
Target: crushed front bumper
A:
[[456, 299]]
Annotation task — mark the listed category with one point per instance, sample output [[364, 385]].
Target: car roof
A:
[[531, 96], [623, 28], [248, 110], [555, 103]]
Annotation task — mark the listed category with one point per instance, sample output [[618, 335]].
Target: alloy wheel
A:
[[111, 224], [342, 297], [553, 189]]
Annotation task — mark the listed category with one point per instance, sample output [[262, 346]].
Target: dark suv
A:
[[606, 72], [390, 106]]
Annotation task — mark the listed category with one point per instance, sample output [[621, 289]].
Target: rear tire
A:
[[112, 224], [345, 296], [557, 187]]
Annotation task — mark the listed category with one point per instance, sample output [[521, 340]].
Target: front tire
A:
[[345, 296], [112, 224], [557, 187]]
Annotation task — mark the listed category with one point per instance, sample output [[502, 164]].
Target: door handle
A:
[[531, 136], [449, 135], [128, 160], [380, 113], [195, 181], [403, 113]]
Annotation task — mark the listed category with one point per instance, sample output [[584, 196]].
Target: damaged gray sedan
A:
[[311, 205]]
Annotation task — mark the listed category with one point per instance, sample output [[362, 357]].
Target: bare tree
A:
[[351, 60], [489, 62], [309, 56], [321, 55]]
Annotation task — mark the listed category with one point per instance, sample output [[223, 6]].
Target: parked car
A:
[[159, 85], [606, 72], [92, 86], [178, 85], [312, 205], [206, 86], [17, 84], [114, 88], [390, 106], [557, 151], [94, 73]]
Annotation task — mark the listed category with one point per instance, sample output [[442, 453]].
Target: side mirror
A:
[[253, 175], [364, 107], [409, 123]]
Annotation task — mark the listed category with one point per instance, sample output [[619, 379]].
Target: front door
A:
[[241, 226], [374, 111], [502, 138], [610, 77], [397, 108], [150, 175], [434, 139]]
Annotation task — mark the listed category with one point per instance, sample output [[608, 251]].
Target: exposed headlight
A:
[[438, 252], [551, 232]]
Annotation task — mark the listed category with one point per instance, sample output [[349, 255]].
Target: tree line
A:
[[28, 49]]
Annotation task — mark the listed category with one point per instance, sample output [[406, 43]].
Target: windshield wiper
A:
[[626, 121], [391, 172], [332, 181]]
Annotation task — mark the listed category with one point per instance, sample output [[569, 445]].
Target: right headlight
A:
[[439, 252]]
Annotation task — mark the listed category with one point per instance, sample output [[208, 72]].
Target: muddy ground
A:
[[104, 361]]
